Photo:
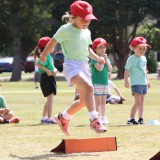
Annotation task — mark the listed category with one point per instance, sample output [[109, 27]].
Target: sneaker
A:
[[97, 126], [14, 120], [63, 124], [43, 121], [104, 120], [132, 121], [76, 97], [141, 121], [52, 121]]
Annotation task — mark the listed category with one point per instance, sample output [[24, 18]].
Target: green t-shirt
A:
[[74, 42], [2, 102], [48, 64], [99, 77], [137, 70]]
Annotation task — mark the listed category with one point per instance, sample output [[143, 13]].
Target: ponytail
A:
[[68, 18], [36, 53]]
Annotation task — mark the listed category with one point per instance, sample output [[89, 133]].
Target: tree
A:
[[24, 21], [118, 21]]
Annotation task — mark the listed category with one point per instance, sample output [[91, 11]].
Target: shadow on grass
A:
[[46, 156], [123, 125]]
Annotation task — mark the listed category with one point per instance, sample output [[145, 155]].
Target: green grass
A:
[[29, 140]]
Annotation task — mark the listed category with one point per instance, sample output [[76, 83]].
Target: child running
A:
[[136, 69], [100, 75], [47, 80], [75, 38]]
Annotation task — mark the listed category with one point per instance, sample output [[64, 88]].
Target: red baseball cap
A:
[[82, 9], [99, 41], [139, 41], [43, 41]]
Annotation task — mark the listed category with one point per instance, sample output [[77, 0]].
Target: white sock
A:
[[103, 117], [66, 116], [49, 119], [93, 115], [44, 118]]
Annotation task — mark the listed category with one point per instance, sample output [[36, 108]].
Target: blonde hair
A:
[[132, 48], [68, 18], [37, 52]]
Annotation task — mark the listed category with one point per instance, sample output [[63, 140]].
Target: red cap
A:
[[43, 41], [99, 41], [139, 41], [82, 9]]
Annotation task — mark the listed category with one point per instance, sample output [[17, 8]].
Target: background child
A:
[[47, 80], [75, 39], [100, 75], [6, 115], [136, 69], [114, 99]]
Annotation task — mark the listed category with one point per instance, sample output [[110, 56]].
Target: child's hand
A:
[[123, 98], [126, 84], [42, 58], [55, 71], [49, 73], [149, 85], [101, 60], [105, 57]]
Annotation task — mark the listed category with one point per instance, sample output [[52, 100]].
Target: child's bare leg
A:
[[44, 114], [87, 89], [86, 93], [49, 105], [103, 106], [98, 104], [77, 105], [140, 108], [137, 98], [1, 120]]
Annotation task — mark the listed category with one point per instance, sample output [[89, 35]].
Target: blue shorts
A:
[[139, 89]]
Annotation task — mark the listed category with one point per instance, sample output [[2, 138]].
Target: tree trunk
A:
[[17, 51]]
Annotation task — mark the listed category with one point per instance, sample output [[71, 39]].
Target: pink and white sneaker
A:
[[97, 126], [14, 120], [63, 124]]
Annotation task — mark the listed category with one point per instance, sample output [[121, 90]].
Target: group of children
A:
[[75, 40]]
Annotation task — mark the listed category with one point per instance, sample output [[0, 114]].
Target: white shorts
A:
[[72, 68], [100, 89]]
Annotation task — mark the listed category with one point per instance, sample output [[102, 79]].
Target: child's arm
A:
[[109, 66], [149, 84], [92, 55], [49, 73], [99, 66], [126, 75], [48, 49], [120, 94]]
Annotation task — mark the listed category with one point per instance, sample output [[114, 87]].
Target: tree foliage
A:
[[24, 22]]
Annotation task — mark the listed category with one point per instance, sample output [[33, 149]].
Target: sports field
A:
[[30, 140]]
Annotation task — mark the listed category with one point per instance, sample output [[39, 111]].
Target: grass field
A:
[[29, 140]]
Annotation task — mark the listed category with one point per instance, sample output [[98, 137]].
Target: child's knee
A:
[[1, 120], [89, 88]]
